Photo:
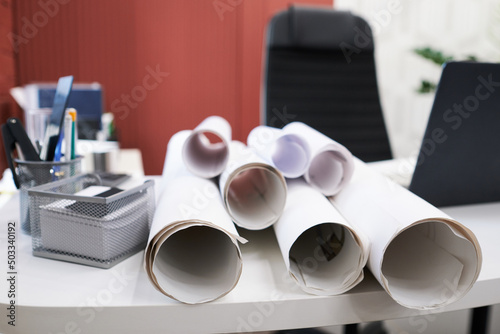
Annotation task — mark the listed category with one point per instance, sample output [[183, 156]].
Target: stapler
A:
[[15, 138]]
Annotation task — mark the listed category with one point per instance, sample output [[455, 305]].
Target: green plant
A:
[[435, 56], [438, 58]]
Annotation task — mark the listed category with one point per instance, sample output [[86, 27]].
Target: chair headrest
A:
[[310, 27]]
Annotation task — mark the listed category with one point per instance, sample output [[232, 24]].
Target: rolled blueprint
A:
[[289, 153], [331, 165], [322, 251], [253, 191], [205, 151], [423, 258], [192, 253]]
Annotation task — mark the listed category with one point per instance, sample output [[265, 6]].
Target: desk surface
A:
[[59, 297]]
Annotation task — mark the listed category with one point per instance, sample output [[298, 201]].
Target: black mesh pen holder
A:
[[34, 173]]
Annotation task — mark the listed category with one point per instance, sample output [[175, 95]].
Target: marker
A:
[[74, 138]]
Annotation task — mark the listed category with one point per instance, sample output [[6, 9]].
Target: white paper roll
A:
[[323, 252], [192, 253], [331, 165], [206, 152], [289, 153], [253, 191], [423, 258]]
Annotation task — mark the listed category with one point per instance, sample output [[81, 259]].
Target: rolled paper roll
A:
[[192, 254], [205, 151], [253, 191], [322, 251], [423, 258], [289, 153], [331, 165]]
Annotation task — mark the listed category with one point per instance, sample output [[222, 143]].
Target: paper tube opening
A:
[[205, 153], [325, 257], [326, 172], [197, 264], [256, 197], [429, 265], [291, 155]]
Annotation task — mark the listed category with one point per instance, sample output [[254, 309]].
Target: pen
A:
[[68, 137]]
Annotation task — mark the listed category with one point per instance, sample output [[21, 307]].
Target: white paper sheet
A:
[[331, 165], [423, 258], [192, 253], [289, 153], [206, 152], [308, 215], [253, 191]]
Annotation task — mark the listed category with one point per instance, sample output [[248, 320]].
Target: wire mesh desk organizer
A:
[[34, 173], [100, 230]]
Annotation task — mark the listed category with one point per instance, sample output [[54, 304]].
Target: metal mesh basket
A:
[[33, 173], [96, 231]]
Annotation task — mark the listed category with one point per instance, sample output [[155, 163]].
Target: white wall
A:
[[456, 27]]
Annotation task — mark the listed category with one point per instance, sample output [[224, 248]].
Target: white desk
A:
[[59, 297]]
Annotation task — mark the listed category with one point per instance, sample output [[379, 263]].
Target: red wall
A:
[[207, 55], [7, 76]]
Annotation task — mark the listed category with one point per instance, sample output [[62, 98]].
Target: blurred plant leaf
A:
[[426, 87], [437, 57]]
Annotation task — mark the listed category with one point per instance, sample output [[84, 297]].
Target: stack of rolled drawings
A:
[[332, 216], [192, 254], [322, 251], [421, 257]]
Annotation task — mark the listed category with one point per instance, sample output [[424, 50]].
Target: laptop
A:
[[459, 158]]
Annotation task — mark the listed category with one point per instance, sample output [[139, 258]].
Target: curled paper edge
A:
[[217, 126], [152, 245], [460, 231], [243, 168]]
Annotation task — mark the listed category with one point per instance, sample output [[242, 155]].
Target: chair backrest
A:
[[320, 70], [458, 162]]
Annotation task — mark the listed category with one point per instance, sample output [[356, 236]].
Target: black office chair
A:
[[320, 70]]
